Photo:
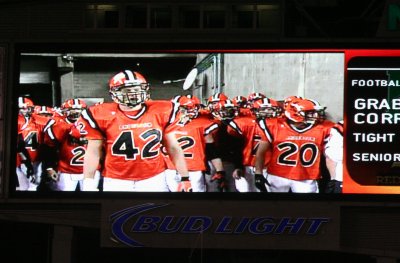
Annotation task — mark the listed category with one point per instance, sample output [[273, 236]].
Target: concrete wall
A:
[[318, 76]]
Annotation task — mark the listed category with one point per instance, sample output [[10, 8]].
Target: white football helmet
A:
[[129, 88]]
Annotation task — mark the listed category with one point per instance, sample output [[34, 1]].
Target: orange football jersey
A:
[[32, 132], [191, 139], [247, 127], [132, 139], [245, 112], [296, 154], [71, 151]]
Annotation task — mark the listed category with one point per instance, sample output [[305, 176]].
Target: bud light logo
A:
[[133, 220]]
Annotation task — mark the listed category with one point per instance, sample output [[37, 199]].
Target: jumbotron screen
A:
[[298, 121]]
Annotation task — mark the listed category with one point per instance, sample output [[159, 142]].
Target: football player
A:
[[253, 97], [43, 111], [197, 142], [288, 100], [241, 102], [230, 147], [30, 127], [213, 100], [334, 160], [246, 127], [297, 142], [24, 165], [65, 150], [131, 128]]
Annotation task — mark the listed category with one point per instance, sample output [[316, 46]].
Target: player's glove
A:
[[83, 141], [219, 177], [52, 174], [184, 185], [261, 182], [237, 173], [334, 187], [30, 173]]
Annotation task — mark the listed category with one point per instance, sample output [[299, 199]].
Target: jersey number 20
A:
[[289, 149]]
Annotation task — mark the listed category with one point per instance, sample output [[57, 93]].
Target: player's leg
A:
[[278, 184], [68, 182], [197, 181], [157, 183], [37, 169], [304, 186], [246, 182], [23, 181], [210, 186], [91, 185], [230, 181], [117, 185], [172, 177]]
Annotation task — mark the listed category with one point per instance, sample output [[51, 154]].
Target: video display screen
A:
[[237, 121], [372, 113]]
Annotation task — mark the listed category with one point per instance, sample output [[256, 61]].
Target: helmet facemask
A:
[[26, 111], [25, 107], [73, 114], [267, 112], [321, 114], [225, 113], [188, 113], [192, 112], [309, 116], [131, 96]]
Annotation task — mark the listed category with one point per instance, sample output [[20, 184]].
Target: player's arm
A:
[[262, 149], [212, 153], [49, 151], [259, 179], [333, 156], [92, 158], [25, 157], [264, 145], [175, 152], [331, 166], [21, 150]]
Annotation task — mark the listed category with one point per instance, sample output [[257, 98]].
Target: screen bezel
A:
[[191, 48]]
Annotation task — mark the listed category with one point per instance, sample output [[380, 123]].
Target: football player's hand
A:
[[237, 174], [83, 141], [52, 174], [30, 173], [184, 185], [219, 177], [261, 182], [334, 186]]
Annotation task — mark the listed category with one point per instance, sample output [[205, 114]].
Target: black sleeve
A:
[[237, 155], [49, 156], [231, 147], [20, 143], [21, 148], [212, 151]]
